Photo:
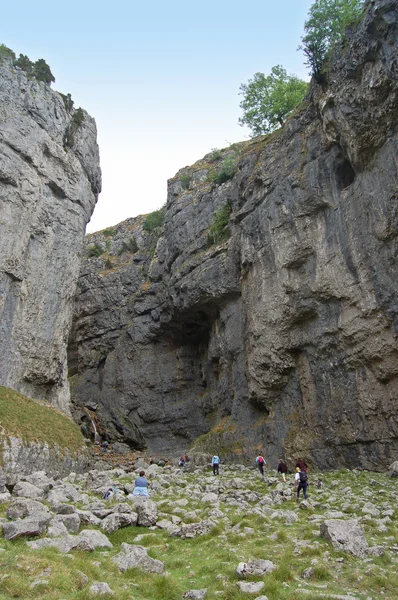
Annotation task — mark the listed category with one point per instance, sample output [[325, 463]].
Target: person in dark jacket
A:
[[301, 464], [282, 468]]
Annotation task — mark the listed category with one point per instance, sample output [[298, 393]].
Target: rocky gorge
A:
[[278, 330]]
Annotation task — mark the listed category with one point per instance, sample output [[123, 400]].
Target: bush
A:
[[68, 102], [185, 181], [6, 52], [70, 131], [215, 154], [109, 232], [219, 230], [154, 220], [24, 63], [42, 72], [226, 170], [94, 250]]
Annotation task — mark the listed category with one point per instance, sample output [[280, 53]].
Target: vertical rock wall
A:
[[47, 194], [283, 337]]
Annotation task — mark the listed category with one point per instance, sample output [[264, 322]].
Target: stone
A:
[[25, 507], [346, 536], [250, 588], [116, 521], [88, 540], [195, 594], [147, 512], [136, 557], [393, 469], [71, 522], [192, 530], [99, 588], [27, 527], [28, 490], [255, 566]]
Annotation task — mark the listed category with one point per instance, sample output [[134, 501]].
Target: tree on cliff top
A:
[[325, 27], [268, 100], [42, 72]]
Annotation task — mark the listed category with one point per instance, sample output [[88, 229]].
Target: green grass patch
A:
[[35, 421]]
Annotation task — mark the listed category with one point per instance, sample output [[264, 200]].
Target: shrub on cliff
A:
[[268, 100], [324, 28], [154, 220], [94, 250], [219, 230], [6, 52]]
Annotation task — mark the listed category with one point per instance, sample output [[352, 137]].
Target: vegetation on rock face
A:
[[325, 27], [70, 132], [94, 250], [35, 421], [154, 220], [268, 100], [225, 171], [219, 230], [39, 70]]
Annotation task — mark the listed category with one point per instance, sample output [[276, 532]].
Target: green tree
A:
[[268, 100], [24, 63], [42, 71], [6, 52], [325, 26]]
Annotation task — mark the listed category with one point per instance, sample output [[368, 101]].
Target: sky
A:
[[160, 78]]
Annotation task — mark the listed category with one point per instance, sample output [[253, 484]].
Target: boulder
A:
[[116, 521], [147, 512], [346, 536], [254, 566], [24, 528], [25, 507], [136, 556], [100, 588], [250, 588], [393, 469], [25, 489]]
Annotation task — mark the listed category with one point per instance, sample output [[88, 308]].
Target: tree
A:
[[325, 27], [24, 63], [267, 101], [42, 71]]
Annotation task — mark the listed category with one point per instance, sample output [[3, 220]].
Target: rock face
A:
[[49, 184], [284, 334]]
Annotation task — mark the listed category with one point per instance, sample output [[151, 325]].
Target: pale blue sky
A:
[[160, 78]]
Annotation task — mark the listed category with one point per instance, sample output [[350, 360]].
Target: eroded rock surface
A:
[[284, 334], [48, 190]]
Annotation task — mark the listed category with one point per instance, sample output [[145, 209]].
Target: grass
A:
[[36, 421], [209, 561]]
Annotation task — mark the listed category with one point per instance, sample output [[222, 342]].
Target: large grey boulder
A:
[[24, 528], [71, 522], [88, 540], [346, 536], [393, 469], [192, 530], [136, 556], [147, 513], [24, 489], [116, 521], [25, 507], [250, 588]]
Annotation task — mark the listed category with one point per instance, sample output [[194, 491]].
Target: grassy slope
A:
[[35, 421]]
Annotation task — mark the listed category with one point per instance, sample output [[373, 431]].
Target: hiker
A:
[[301, 481], [186, 458], [260, 463], [282, 468], [181, 462], [215, 462], [150, 460], [105, 445], [141, 485], [301, 464]]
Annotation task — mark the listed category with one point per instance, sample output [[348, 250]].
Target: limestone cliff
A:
[[282, 336], [49, 183]]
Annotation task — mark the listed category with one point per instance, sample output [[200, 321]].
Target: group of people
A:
[[300, 480], [301, 476]]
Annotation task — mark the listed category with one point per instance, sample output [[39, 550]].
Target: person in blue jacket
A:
[[215, 461], [141, 485]]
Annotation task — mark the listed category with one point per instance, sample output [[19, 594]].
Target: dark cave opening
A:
[[345, 174]]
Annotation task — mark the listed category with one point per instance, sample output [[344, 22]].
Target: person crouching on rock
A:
[[141, 485]]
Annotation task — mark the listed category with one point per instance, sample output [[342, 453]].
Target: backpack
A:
[[260, 460], [303, 477], [216, 460], [107, 494]]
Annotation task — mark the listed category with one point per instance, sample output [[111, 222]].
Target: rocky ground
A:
[[236, 535]]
